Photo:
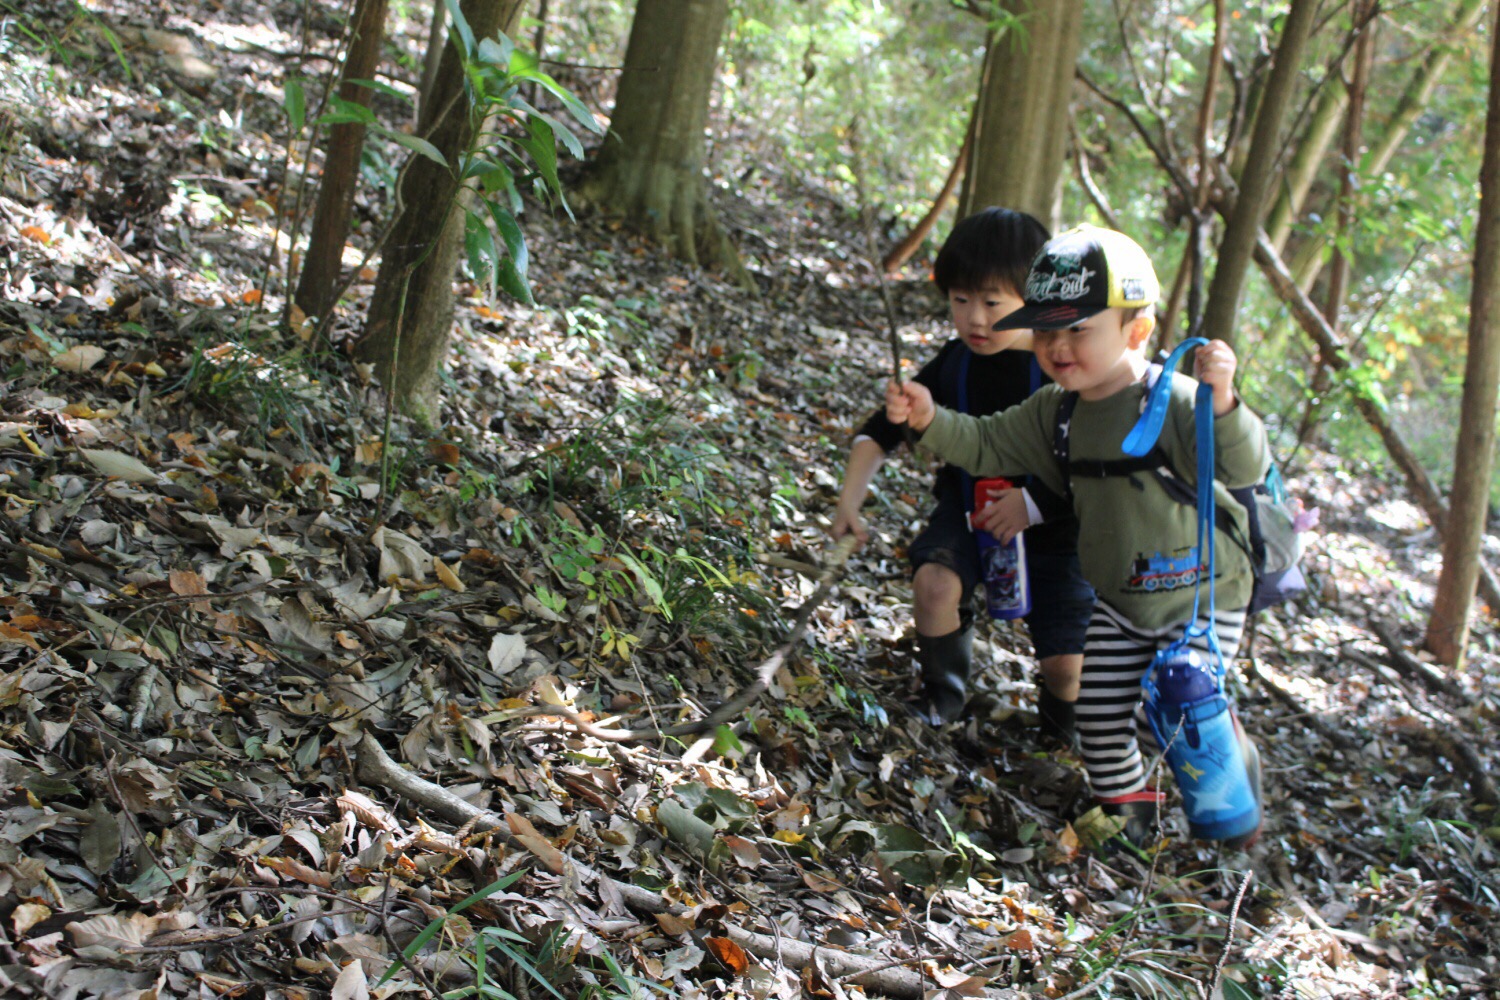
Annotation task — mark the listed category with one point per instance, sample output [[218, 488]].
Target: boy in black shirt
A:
[[982, 269]]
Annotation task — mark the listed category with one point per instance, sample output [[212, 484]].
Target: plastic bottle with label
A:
[[1002, 566]]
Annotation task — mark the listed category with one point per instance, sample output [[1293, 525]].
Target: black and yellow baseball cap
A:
[[1080, 273]]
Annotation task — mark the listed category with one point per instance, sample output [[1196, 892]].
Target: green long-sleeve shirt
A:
[[1134, 540]]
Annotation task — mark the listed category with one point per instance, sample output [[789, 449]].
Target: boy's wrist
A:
[[1225, 401]]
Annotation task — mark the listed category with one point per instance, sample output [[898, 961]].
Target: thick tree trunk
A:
[[1238, 245], [411, 312], [650, 169], [318, 286], [1448, 630], [1018, 146]]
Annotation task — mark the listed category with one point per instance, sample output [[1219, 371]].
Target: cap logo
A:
[[1133, 289], [1068, 280]]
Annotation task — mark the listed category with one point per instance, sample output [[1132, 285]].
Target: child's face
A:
[[974, 312], [1096, 358]]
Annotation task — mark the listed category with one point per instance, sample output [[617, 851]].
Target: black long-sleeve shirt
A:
[[996, 382]]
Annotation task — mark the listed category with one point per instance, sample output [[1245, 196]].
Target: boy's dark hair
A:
[[992, 244]]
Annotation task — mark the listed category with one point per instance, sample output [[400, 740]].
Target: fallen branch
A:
[[1405, 663], [1333, 735], [375, 767]]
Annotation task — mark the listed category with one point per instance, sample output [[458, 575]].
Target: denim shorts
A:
[[1061, 599]]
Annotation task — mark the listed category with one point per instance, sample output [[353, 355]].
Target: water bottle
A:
[[1002, 567], [1195, 721]]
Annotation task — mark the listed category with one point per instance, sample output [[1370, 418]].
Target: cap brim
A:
[[1048, 317]]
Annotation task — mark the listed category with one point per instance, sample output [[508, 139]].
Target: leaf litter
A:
[[219, 578]]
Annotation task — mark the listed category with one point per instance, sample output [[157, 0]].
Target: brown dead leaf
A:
[[672, 926], [731, 955], [819, 883], [367, 810], [745, 852], [9, 633], [1020, 940], [28, 915], [79, 359], [447, 577], [444, 452], [292, 868], [297, 320], [534, 842], [37, 234]]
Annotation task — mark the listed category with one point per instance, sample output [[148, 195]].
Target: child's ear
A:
[[1140, 330]]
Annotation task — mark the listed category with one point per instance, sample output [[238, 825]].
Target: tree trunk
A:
[[1448, 631], [902, 251], [1238, 245], [1018, 147], [437, 37], [1364, 55], [318, 286], [411, 311], [1303, 169], [650, 168]]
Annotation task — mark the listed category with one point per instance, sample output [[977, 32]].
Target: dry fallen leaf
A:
[[730, 954], [447, 577], [79, 359], [534, 842]]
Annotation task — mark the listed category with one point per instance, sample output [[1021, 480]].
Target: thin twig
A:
[[1234, 916]]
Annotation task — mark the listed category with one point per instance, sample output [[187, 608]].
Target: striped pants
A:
[[1111, 722]]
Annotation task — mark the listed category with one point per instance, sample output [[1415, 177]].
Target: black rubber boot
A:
[[945, 662], [1140, 811], [1058, 717]]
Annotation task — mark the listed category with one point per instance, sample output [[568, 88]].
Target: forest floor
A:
[[232, 597]]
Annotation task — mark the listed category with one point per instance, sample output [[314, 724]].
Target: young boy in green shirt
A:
[[1089, 300]]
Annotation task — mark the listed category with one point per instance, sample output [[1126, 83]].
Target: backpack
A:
[[1273, 545]]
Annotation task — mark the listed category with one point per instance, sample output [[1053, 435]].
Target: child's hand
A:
[[1005, 516], [1216, 364], [846, 521], [909, 403]]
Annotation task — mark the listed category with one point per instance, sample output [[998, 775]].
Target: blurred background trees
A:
[[1337, 144]]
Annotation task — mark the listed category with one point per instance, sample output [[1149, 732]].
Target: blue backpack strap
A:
[[1036, 376]]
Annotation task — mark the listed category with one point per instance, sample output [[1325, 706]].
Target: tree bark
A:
[[318, 285], [437, 37], [411, 312], [1303, 169], [1448, 629], [650, 168], [1018, 149], [1364, 54], [1238, 246]]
